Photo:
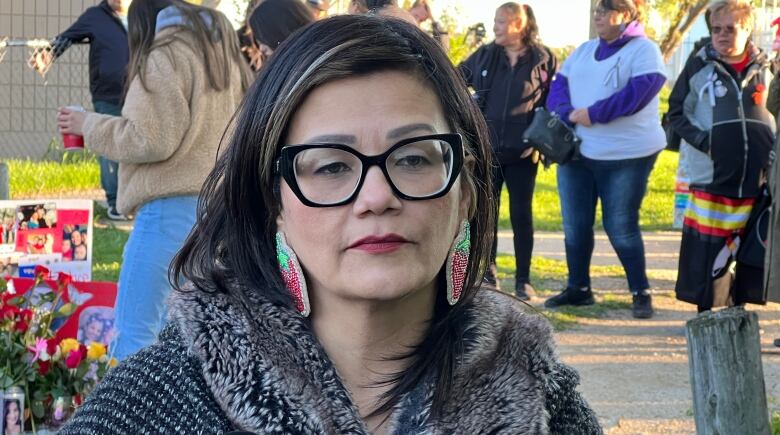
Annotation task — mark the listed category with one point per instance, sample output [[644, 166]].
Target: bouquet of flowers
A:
[[54, 374]]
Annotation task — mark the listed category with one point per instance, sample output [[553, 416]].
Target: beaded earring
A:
[[458, 262], [292, 275]]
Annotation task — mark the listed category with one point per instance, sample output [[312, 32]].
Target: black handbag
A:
[[552, 137]]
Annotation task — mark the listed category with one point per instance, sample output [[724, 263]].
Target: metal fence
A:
[[28, 102]]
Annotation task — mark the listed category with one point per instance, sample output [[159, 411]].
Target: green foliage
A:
[[459, 49], [561, 53]]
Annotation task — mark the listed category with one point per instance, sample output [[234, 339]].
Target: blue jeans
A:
[[160, 228], [108, 168], [621, 186]]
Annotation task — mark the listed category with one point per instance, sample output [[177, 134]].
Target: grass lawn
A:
[[31, 179], [657, 208]]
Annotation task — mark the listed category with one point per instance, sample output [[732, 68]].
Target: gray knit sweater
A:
[[218, 368]]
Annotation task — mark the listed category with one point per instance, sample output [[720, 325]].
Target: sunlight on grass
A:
[[29, 179], [657, 208]]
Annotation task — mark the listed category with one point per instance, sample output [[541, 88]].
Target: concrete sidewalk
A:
[[661, 248]]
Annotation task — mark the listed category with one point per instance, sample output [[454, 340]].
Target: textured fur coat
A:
[[218, 368]]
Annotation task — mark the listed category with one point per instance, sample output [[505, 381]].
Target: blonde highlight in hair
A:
[[742, 11]]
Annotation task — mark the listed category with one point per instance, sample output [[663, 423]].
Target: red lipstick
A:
[[379, 244]]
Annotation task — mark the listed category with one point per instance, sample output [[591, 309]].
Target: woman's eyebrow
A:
[[346, 139], [399, 132]]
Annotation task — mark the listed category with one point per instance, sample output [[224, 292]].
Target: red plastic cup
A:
[[73, 142]]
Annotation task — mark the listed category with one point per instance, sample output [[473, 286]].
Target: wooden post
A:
[[724, 357], [5, 192]]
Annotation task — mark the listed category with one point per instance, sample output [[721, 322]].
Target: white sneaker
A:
[[114, 215]]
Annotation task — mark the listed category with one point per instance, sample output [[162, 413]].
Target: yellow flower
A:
[[113, 362], [69, 344], [95, 351]]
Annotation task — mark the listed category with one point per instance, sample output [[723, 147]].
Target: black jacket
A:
[[723, 117], [508, 96], [218, 367], [108, 50]]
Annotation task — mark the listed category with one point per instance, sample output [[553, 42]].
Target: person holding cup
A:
[[104, 26], [186, 78]]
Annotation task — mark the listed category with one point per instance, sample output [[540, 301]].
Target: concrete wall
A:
[[28, 102]]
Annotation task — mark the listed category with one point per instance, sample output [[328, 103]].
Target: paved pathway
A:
[[635, 372], [661, 248]]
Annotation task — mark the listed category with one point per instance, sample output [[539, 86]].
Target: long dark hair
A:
[[214, 35], [231, 249], [531, 31], [273, 21]]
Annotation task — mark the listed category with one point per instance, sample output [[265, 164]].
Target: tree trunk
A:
[[686, 17], [724, 354]]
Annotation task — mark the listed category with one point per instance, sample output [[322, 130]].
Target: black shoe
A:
[[643, 306], [571, 296], [491, 278], [114, 215], [777, 342], [524, 291], [521, 294]]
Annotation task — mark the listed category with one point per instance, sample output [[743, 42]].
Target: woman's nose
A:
[[376, 195]]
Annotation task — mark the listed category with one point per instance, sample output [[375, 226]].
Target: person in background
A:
[[319, 8], [246, 41], [421, 11], [385, 8], [609, 88], [186, 79], [718, 106], [772, 261], [333, 277], [104, 27], [273, 21], [511, 78]]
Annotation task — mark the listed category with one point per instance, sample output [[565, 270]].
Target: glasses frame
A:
[[285, 166]]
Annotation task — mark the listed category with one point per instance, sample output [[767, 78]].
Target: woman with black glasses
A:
[[333, 274]]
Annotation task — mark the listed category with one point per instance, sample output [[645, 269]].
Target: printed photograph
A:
[[74, 242], [96, 325], [37, 216], [13, 413], [7, 230]]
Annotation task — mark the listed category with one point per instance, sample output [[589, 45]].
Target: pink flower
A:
[[39, 350]]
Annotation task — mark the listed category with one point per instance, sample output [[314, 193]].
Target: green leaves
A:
[[66, 310]]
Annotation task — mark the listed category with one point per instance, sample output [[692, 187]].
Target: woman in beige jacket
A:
[[186, 78]]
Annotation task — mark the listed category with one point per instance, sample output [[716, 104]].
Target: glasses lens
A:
[[326, 175], [421, 168]]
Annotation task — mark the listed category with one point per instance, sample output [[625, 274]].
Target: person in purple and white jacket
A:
[[608, 88]]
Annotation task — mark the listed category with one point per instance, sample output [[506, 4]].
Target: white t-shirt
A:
[[627, 137]]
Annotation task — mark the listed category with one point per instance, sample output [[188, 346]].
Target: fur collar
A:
[[269, 374]]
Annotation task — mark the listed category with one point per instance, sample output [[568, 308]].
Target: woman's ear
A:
[[468, 199]]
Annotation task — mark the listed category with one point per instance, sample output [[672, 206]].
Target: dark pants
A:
[[621, 186], [520, 179], [108, 168]]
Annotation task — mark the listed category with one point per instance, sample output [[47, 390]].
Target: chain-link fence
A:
[[28, 100]]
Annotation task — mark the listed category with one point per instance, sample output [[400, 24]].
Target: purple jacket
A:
[[637, 94]]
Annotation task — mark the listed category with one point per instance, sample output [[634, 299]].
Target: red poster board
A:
[[93, 320]]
